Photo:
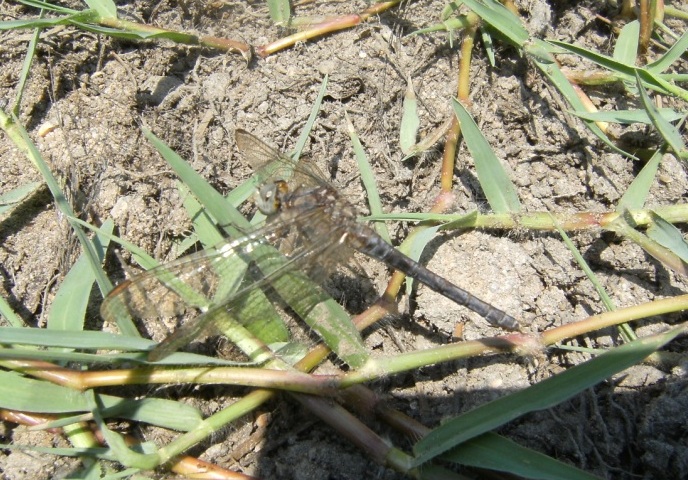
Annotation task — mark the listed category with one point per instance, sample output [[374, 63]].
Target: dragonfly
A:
[[224, 279]]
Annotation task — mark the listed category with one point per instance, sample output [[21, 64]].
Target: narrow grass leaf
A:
[[609, 305], [205, 230], [68, 309], [623, 226], [64, 452], [416, 244], [139, 358], [552, 71], [677, 50], [124, 455], [25, 394], [627, 117], [498, 188], [408, 129], [545, 394], [77, 339], [50, 6], [280, 11], [625, 72], [223, 212], [449, 25], [486, 38], [135, 32], [156, 411], [153, 411], [105, 8], [140, 255], [463, 220], [310, 122], [494, 452], [504, 23], [31, 51], [368, 179], [667, 236], [635, 196], [12, 199], [9, 314], [626, 48], [40, 22], [670, 133]]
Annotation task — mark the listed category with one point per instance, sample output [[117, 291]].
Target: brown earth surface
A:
[[92, 93]]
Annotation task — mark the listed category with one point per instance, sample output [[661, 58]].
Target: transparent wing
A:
[[270, 164], [223, 284]]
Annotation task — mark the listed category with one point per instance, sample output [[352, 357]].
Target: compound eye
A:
[[267, 200]]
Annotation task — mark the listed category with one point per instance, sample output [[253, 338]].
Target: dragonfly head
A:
[[270, 196]]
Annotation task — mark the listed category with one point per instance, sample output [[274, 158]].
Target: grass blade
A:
[[668, 236], [626, 48], [544, 395], [498, 188], [12, 199], [368, 179], [408, 130], [670, 133], [635, 196], [68, 309], [494, 452]]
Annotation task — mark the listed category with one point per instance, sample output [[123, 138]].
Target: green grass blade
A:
[[26, 68], [635, 196], [280, 11], [29, 395], [670, 133], [73, 339], [629, 116], [9, 314], [12, 199], [505, 24], [493, 452], [677, 50], [539, 51], [68, 309], [153, 411], [312, 117], [416, 243], [606, 300], [498, 188], [105, 8], [140, 255], [625, 72], [626, 48], [115, 359], [223, 212], [667, 236], [48, 6], [368, 179], [123, 454], [408, 129], [39, 22], [21, 138], [623, 225], [489, 46], [543, 395]]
